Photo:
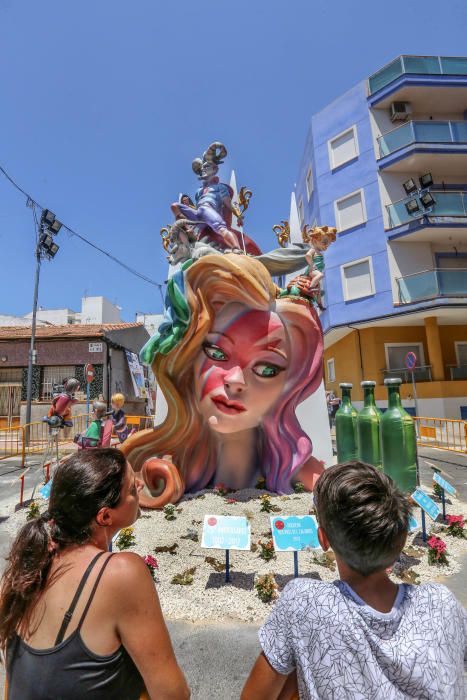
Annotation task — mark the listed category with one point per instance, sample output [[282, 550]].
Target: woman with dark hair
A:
[[75, 620]]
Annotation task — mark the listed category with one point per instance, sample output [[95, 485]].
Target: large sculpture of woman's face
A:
[[240, 371]]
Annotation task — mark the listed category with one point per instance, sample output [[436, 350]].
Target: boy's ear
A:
[[104, 517], [323, 540]]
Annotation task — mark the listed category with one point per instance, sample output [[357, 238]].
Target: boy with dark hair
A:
[[362, 637]]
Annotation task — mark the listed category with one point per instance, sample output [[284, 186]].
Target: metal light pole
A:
[[48, 227], [32, 353]]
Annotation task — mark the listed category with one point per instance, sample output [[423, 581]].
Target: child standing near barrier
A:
[[118, 417], [362, 636]]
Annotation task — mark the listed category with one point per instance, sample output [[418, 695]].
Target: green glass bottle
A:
[[346, 427], [368, 420], [398, 440]]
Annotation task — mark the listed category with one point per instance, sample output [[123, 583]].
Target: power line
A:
[[126, 267]]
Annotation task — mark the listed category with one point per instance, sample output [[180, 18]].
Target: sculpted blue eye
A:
[[215, 353], [267, 370]]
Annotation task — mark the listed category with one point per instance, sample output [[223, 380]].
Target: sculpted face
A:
[[240, 371]]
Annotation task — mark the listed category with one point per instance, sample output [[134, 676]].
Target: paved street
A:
[[229, 651]]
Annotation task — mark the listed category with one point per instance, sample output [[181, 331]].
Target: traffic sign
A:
[[410, 360], [89, 373]]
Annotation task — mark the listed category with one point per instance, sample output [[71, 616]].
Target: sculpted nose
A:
[[234, 379]]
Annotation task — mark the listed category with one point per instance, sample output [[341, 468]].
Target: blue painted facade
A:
[[370, 239]]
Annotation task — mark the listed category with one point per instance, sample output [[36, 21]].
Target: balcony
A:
[[457, 371], [417, 65], [422, 132], [431, 284], [450, 207], [421, 374]]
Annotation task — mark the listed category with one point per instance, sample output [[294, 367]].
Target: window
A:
[[395, 353], [54, 375], [309, 183], [350, 210], [357, 279], [331, 370], [301, 215], [343, 147], [461, 354]]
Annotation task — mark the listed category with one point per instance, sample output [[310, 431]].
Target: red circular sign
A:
[[410, 360], [212, 521], [89, 373], [279, 524]]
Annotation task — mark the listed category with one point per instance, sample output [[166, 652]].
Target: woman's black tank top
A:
[[69, 670]]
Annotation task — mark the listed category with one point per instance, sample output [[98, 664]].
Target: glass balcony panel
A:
[[422, 285], [421, 65], [422, 374], [459, 372], [459, 131], [432, 283], [454, 66], [386, 75], [432, 132], [396, 139], [447, 204], [452, 282]]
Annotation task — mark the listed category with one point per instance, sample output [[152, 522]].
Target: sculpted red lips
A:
[[226, 406]]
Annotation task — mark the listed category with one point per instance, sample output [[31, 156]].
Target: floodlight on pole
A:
[[412, 207], [427, 200], [45, 248]]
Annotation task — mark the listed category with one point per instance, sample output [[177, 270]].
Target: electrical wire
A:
[[30, 200]]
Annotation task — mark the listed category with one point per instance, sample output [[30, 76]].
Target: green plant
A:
[[299, 487], [437, 490], [216, 564], [326, 559], [126, 538], [191, 534], [152, 565], [166, 548], [267, 506], [266, 588], [222, 490], [261, 483], [266, 549], [185, 578], [456, 526], [33, 511], [437, 552], [169, 512]]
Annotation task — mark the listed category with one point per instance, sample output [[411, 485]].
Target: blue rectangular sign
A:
[[427, 503], [449, 488], [46, 489], [294, 533], [226, 532], [413, 524]]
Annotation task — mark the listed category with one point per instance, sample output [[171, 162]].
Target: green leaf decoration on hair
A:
[[176, 321]]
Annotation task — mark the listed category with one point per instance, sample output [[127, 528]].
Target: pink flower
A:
[[455, 520], [150, 561], [231, 500]]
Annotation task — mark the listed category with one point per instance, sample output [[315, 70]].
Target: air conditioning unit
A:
[[400, 111]]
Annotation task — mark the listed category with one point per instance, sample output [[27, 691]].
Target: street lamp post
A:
[[48, 227]]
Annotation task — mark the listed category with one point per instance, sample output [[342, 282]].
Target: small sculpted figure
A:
[[93, 435], [61, 406], [309, 284], [233, 361], [118, 417]]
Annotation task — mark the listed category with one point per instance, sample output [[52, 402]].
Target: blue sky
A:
[[105, 104]]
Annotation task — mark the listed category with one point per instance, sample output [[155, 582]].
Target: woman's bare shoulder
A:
[[127, 569]]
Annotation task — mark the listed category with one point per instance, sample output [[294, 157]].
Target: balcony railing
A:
[[448, 205], [458, 371], [430, 284], [422, 132], [421, 374], [417, 65]]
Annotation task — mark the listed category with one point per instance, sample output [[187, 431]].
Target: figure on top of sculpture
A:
[[319, 239]]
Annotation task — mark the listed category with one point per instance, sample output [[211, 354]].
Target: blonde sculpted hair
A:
[[210, 283]]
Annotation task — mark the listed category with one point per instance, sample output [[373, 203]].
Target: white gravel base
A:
[[209, 598]]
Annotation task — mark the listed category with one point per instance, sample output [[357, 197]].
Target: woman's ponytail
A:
[[25, 575]]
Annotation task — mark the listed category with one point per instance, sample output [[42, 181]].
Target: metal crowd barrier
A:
[[442, 433], [23, 440]]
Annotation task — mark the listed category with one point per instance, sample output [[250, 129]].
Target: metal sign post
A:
[[89, 375]]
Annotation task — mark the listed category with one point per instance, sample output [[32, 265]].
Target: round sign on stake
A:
[[410, 360], [89, 373]]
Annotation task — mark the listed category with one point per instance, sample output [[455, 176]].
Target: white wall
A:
[[99, 310], [407, 258], [150, 321]]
